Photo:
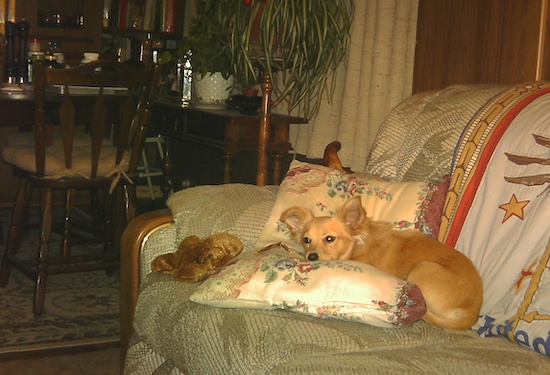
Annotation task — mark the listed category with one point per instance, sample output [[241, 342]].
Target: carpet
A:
[[80, 308]]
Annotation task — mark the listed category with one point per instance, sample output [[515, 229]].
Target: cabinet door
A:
[[74, 23]]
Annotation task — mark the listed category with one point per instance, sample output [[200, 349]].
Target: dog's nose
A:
[[312, 257]]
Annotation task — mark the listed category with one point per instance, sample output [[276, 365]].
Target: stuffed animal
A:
[[196, 258]]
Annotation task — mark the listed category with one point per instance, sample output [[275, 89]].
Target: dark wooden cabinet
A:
[[80, 26], [214, 146], [76, 24]]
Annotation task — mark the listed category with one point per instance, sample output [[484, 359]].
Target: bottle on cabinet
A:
[[146, 51], [23, 28], [16, 66], [34, 55], [50, 61]]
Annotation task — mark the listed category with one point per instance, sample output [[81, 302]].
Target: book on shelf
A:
[[170, 18], [106, 12], [113, 12], [122, 14], [149, 15]]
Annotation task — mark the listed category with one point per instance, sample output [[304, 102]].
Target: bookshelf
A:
[[131, 26], [103, 25], [148, 15], [76, 24]]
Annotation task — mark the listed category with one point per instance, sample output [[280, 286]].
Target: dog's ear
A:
[[353, 213], [295, 218]]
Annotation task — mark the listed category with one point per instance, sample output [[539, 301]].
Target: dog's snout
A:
[[313, 257]]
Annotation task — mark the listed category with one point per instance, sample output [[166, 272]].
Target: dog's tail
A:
[[330, 157], [464, 320]]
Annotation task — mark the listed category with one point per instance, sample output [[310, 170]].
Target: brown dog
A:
[[449, 281]]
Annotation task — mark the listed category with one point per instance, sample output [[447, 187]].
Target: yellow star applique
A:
[[514, 208]]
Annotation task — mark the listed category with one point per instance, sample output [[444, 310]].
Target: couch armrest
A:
[[133, 238], [239, 209]]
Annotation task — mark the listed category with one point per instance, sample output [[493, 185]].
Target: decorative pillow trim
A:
[[429, 219]]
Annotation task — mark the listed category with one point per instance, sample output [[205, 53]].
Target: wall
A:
[[481, 41]]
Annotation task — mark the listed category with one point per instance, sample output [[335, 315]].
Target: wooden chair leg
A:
[[15, 231], [126, 209], [166, 186], [130, 202], [97, 204], [107, 219], [109, 225], [68, 223], [43, 252]]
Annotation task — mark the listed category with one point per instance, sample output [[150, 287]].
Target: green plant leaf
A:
[[301, 41], [304, 41]]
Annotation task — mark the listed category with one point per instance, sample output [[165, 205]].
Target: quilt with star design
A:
[[497, 212]]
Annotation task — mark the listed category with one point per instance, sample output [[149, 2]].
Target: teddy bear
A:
[[196, 259]]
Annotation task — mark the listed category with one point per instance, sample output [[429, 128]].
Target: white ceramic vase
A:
[[213, 88]]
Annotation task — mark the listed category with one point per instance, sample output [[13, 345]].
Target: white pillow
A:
[[337, 289]]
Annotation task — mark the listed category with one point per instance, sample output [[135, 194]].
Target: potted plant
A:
[[247, 83], [208, 48], [303, 40], [248, 102]]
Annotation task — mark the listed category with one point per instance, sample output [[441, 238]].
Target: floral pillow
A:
[[336, 289], [324, 190]]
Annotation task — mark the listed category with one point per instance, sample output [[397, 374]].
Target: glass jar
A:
[[50, 61]]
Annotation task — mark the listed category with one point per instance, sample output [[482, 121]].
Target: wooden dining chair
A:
[[102, 159]]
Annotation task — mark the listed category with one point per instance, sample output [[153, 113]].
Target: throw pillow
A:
[[324, 190], [336, 289]]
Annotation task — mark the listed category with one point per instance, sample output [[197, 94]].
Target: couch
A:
[[480, 156]]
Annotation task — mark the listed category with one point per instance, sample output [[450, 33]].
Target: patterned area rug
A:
[[80, 308]]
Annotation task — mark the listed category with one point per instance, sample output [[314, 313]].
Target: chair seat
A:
[[22, 155]]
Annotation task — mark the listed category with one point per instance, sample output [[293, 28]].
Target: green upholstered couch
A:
[[170, 334]]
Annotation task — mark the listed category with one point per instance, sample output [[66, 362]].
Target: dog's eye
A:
[[307, 240], [330, 239]]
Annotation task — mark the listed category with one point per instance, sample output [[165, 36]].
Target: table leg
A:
[[228, 161], [277, 167]]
